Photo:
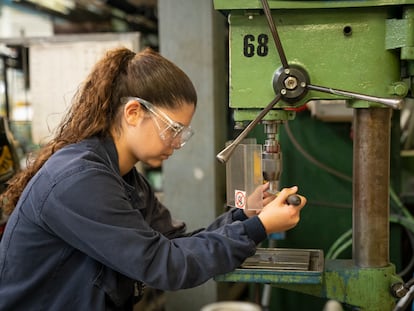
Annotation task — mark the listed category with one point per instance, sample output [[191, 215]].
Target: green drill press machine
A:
[[283, 54]]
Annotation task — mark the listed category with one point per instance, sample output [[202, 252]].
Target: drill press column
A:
[[371, 187]]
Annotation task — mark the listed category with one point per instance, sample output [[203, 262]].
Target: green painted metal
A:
[[341, 281], [277, 114], [342, 49], [368, 288], [400, 34], [271, 277], [224, 5], [355, 46], [407, 52], [345, 282]]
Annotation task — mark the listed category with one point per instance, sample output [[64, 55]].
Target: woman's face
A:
[[152, 134]]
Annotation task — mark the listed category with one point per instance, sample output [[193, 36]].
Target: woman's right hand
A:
[[278, 215]]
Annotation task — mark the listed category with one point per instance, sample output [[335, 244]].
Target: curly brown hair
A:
[[96, 105]]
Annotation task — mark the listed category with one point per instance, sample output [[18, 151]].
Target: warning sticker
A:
[[240, 198]]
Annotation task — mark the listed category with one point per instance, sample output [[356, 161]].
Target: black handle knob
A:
[[293, 199]]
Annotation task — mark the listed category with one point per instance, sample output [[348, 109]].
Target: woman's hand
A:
[[278, 215]]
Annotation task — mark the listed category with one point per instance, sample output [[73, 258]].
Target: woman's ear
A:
[[133, 112]]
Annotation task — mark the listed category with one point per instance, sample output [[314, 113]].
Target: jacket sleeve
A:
[[155, 213], [91, 211], [161, 220]]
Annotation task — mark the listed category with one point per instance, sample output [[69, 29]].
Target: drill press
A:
[[334, 50]]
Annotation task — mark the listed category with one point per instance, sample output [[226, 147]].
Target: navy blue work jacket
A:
[[82, 235]]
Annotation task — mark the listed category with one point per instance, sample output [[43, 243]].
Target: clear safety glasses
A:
[[172, 133]]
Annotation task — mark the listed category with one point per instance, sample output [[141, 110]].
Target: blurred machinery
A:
[[284, 54], [9, 146], [9, 162]]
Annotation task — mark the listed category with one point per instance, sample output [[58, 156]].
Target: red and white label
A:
[[240, 199]]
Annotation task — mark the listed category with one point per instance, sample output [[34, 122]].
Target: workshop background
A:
[[48, 46]]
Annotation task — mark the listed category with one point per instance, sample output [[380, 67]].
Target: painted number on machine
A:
[[255, 45]]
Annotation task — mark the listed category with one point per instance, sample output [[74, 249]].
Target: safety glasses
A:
[[171, 132]]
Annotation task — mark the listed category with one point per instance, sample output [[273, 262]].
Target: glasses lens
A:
[[171, 132], [183, 137], [186, 134], [174, 134]]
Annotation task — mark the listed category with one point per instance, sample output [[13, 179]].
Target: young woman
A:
[[87, 230]]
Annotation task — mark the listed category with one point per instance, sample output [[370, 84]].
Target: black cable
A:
[[409, 283], [313, 159], [410, 265]]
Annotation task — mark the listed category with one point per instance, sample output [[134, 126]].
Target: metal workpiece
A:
[[280, 266], [284, 259], [371, 174]]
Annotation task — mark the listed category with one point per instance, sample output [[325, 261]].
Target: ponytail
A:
[[96, 105]]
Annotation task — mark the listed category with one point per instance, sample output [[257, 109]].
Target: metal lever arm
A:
[[395, 103], [224, 155], [390, 102], [275, 34]]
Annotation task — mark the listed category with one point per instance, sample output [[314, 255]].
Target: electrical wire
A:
[[402, 215], [408, 268], [404, 218], [401, 207], [344, 238], [313, 159]]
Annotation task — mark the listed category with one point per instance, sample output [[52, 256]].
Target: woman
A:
[[87, 231]]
